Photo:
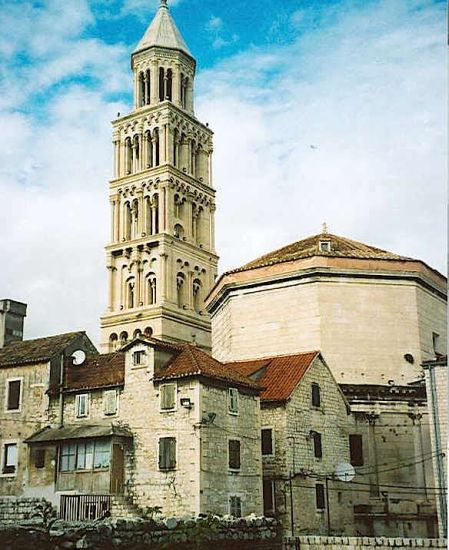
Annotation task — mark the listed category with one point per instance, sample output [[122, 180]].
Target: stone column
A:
[[189, 284], [156, 143], [153, 218], [112, 271], [162, 283], [212, 227], [112, 202], [162, 210], [163, 144], [176, 85], [147, 84], [136, 90], [190, 92], [154, 82], [138, 290]]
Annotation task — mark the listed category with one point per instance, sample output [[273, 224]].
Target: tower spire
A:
[[164, 4]]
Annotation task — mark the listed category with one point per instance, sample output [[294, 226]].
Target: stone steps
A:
[[121, 507]]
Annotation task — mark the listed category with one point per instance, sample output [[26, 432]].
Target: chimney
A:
[[12, 315]]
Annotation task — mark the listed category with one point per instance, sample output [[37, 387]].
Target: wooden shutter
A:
[[234, 454], [167, 453], [267, 441], [356, 449], [168, 396], [319, 494], [14, 395]]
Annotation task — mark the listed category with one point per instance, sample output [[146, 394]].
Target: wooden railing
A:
[[84, 507]]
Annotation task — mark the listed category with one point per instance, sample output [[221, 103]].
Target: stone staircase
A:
[[121, 507]]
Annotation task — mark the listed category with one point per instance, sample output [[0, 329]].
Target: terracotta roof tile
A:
[[340, 247], [39, 350], [192, 361], [99, 371], [279, 375]]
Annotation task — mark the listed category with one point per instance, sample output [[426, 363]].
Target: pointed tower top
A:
[[163, 32]]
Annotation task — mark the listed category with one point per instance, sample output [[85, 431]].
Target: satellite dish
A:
[[344, 471], [78, 357]]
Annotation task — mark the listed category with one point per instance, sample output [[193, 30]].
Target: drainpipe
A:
[[61, 394]]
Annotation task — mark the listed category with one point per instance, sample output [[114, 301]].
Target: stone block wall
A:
[[13, 510], [360, 543]]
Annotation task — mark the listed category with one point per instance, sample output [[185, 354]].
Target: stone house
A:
[[155, 425], [28, 369], [305, 426]]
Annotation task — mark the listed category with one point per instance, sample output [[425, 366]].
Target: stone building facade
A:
[[161, 257]]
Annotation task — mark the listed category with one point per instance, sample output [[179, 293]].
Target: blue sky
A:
[[322, 110]]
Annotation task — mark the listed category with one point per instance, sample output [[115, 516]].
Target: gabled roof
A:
[[153, 342], [163, 33], [279, 375], [98, 371], [192, 361], [340, 247], [39, 350]]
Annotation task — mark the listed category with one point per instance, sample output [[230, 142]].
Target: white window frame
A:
[[273, 441], [4, 444], [115, 391], [325, 245], [142, 354], [8, 380], [77, 401], [233, 393], [234, 495], [175, 405]]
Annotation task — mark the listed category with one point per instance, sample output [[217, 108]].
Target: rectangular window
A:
[[268, 497], [167, 453], [234, 454], [138, 357], [85, 455], [267, 442], [110, 402], [68, 457], [317, 447], [14, 388], [320, 497], [316, 395], [233, 400], [235, 506], [435, 342], [9, 465], [102, 454], [82, 405], [356, 449], [168, 397], [39, 458]]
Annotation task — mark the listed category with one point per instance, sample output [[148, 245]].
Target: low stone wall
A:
[[171, 533], [360, 543], [14, 509]]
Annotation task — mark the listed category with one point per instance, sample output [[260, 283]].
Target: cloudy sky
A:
[[328, 110]]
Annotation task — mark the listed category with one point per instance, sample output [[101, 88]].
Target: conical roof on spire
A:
[[163, 33]]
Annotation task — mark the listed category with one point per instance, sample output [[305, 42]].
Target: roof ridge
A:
[[271, 357], [77, 332]]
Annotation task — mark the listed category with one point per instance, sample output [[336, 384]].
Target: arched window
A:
[[130, 293], [123, 338], [184, 84], [180, 287], [142, 90], [148, 332], [137, 333], [176, 140], [192, 157], [169, 84], [155, 215], [148, 217], [156, 147], [128, 155], [178, 231], [161, 84], [151, 289], [198, 157], [196, 289], [135, 218], [127, 221], [113, 339], [136, 154], [149, 151], [148, 87]]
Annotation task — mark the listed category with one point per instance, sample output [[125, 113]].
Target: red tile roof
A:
[[192, 361], [279, 375], [99, 371]]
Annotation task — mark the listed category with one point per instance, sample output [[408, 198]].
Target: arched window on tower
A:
[[198, 156], [178, 231], [155, 214], [176, 141], [142, 90], [149, 151], [161, 84], [127, 221], [148, 87], [113, 340], [196, 289], [137, 333], [151, 289], [148, 217], [180, 288], [156, 146], [192, 157], [123, 338], [130, 293], [169, 85], [128, 155], [136, 154], [148, 332], [135, 219], [184, 84], [178, 207]]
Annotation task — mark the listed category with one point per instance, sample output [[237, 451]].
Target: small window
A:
[[267, 442], [138, 357], [269, 507], [39, 458], [234, 454], [82, 405], [233, 400], [14, 393], [102, 454], [325, 246], [316, 395], [317, 447], [9, 465], [356, 449], [110, 402], [235, 506], [167, 453], [435, 342], [319, 496], [85, 455], [68, 457], [168, 397]]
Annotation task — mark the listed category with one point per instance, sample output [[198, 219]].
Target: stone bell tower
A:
[[161, 256]]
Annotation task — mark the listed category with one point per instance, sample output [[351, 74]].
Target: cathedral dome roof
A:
[[163, 33]]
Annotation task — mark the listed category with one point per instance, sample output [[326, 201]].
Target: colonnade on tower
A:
[[161, 256]]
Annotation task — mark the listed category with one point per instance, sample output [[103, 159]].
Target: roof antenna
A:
[[325, 231]]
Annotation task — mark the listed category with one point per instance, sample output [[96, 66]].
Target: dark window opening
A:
[[316, 395], [356, 449], [235, 507], [234, 454], [317, 446], [39, 458], [267, 442], [14, 395], [320, 497], [268, 497]]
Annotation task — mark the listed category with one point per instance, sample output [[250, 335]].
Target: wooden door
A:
[[118, 469]]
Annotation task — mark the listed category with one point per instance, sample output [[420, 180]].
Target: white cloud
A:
[[214, 23], [368, 95]]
